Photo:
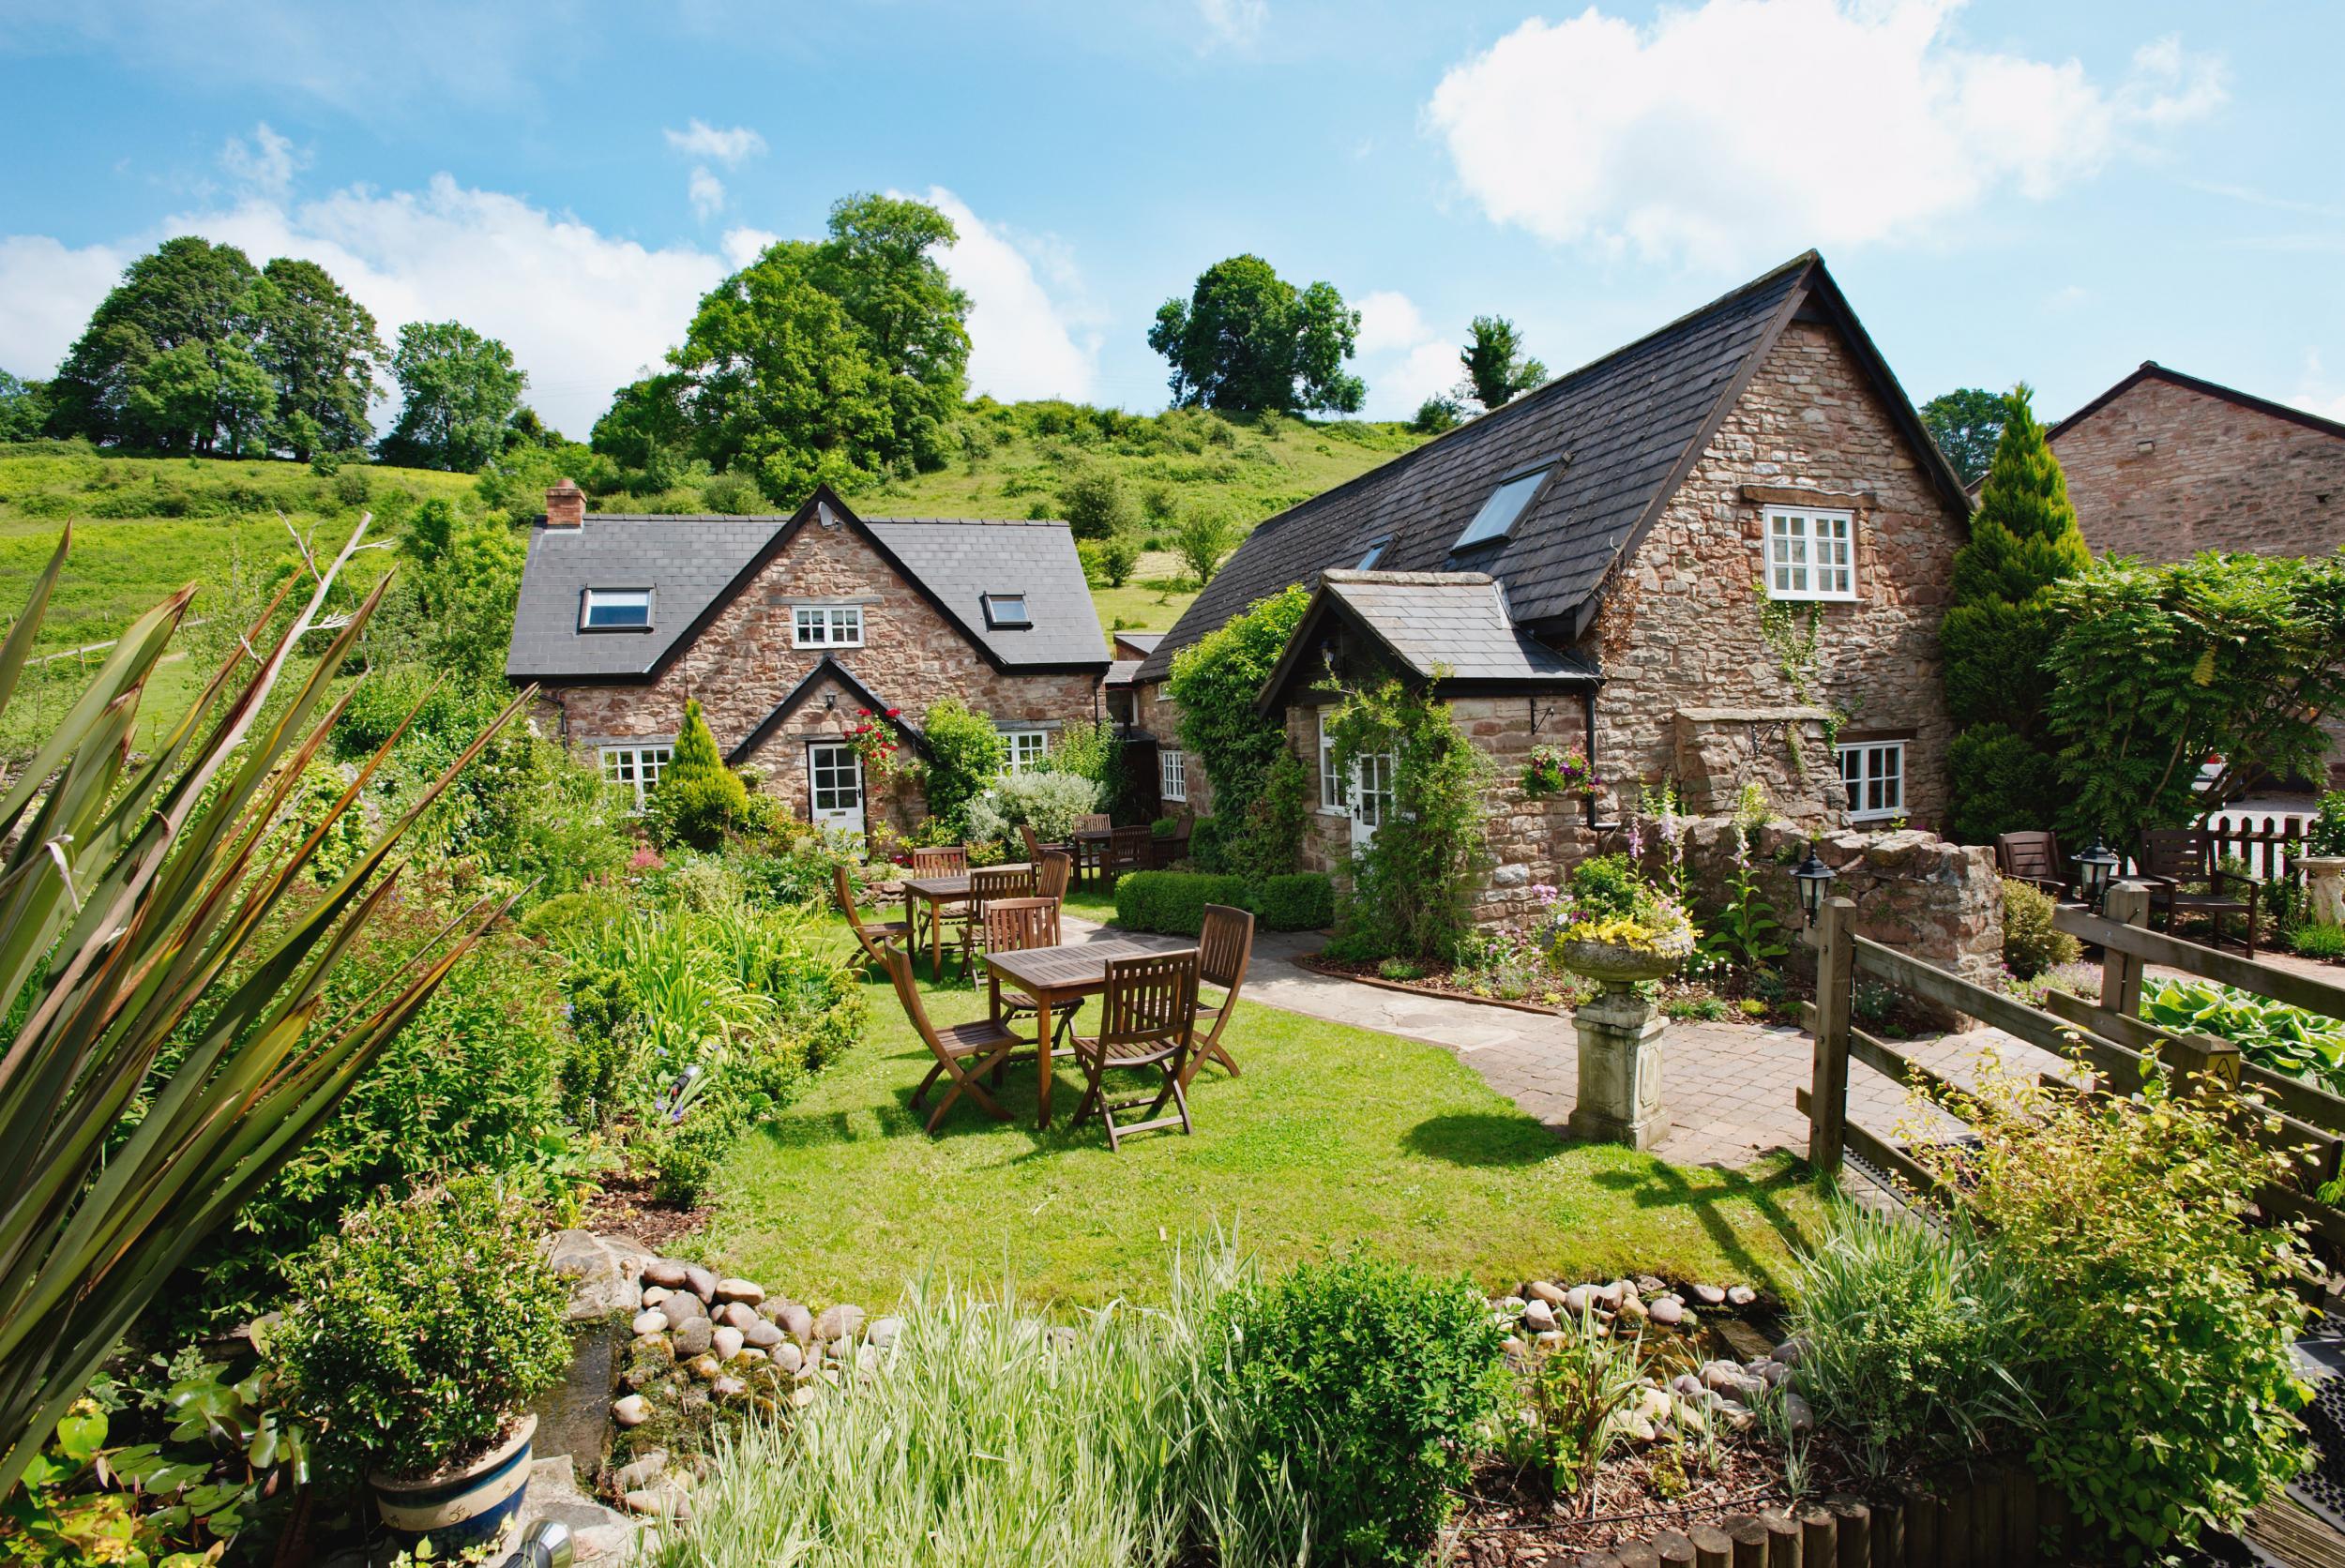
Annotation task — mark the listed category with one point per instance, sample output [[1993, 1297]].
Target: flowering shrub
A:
[[873, 737], [1553, 771], [1049, 803], [1611, 901]]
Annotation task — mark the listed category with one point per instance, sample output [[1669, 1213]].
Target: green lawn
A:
[[1334, 1136]]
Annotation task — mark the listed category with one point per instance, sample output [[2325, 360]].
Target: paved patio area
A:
[[1729, 1087]]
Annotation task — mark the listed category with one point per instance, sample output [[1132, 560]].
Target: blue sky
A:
[[2006, 190]]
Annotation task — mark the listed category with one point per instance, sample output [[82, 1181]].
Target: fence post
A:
[[2128, 904], [1835, 970]]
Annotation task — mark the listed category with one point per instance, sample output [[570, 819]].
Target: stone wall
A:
[[742, 666], [1680, 637]]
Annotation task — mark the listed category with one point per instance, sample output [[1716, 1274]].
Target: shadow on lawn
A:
[[1662, 1185], [1482, 1138]]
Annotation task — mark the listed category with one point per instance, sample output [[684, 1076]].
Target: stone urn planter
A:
[[1620, 1040], [460, 1506], [2324, 884]]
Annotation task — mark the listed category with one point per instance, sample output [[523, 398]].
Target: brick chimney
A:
[[566, 506]]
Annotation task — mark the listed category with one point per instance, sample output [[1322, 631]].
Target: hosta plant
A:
[[139, 894]]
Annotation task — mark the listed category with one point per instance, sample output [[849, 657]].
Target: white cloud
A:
[[1404, 361], [1388, 320], [707, 193], [47, 292], [1743, 129], [1025, 339], [743, 246], [1236, 22], [728, 147], [2316, 393], [268, 165]]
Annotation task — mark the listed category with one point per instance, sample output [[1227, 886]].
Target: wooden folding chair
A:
[[987, 1043], [2033, 856], [869, 934], [986, 884], [1036, 850], [1224, 947], [1049, 882], [1147, 1016], [1127, 851], [1014, 924], [942, 860]]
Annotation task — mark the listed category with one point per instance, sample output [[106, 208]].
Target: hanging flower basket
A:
[[1553, 771]]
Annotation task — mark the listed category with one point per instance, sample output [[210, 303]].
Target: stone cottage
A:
[[787, 629], [1715, 557], [2163, 465]]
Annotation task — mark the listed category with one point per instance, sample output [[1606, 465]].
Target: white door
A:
[[1372, 796], [834, 780]]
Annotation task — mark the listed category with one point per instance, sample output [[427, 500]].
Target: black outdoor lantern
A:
[[1815, 880], [2094, 866]]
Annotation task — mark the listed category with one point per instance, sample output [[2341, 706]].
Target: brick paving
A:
[[1728, 1086]]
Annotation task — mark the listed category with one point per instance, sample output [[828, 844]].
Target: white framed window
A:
[[1027, 747], [635, 768], [615, 609], [1810, 554], [1173, 774], [827, 626], [1331, 791], [1873, 773]]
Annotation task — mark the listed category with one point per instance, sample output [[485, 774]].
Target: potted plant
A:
[[2324, 862], [418, 1336], [1613, 926], [1553, 771]]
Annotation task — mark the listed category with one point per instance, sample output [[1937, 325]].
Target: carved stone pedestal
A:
[[2324, 879], [1620, 1071]]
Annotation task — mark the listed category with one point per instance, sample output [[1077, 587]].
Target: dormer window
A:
[[615, 609], [1374, 553], [1007, 611], [1498, 514]]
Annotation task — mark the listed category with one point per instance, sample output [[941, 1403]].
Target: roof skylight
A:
[[1498, 514], [615, 609], [1374, 553], [1006, 610]]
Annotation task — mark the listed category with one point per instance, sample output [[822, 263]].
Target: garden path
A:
[[1729, 1086]]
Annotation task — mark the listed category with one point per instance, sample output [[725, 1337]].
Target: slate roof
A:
[[1121, 672], [1618, 436], [1452, 625], [1145, 640], [695, 565]]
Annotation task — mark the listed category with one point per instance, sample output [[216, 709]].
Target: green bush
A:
[[2327, 835], [2008, 785], [1299, 902], [2317, 942], [1049, 803], [418, 1332], [1208, 843], [965, 754], [1215, 680], [1912, 1338], [698, 799], [1172, 902], [2031, 944], [1369, 1378]]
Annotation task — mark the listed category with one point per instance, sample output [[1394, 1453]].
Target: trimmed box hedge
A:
[[1174, 902]]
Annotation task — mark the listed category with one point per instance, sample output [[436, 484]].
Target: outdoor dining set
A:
[[1150, 1020]]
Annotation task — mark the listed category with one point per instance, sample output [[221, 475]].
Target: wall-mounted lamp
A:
[[830, 702], [2145, 444]]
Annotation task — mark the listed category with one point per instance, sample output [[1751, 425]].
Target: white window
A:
[[1873, 773], [636, 768], [827, 626], [1331, 791], [615, 609], [1810, 555], [1173, 770], [1027, 749], [1006, 610]]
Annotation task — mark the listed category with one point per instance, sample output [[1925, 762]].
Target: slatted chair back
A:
[[842, 887], [1054, 868], [2178, 854], [2033, 856], [1224, 944], [964, 1053], [1033, 845], [945, 860], [1094, 821], [899, 966], [1149, 1001], [989, 882], [1014, 924], [1127, 851]]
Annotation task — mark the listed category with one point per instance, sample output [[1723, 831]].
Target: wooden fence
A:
[[2109, 1034]]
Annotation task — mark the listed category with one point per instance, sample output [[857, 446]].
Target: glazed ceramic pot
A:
[[463, 1505]]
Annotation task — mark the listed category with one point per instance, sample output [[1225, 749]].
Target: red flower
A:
[[893, 713]]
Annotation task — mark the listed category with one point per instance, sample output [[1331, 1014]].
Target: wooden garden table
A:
[[1058, 977], [937, 892]]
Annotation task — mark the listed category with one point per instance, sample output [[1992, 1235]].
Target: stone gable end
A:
[[1695, 690], [742, 665]]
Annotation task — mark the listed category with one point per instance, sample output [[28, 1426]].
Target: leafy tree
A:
[[646, 430], [880, 264], [1441, 411], [320, 349], [1205, 538], [1413, 884], [1095, 504], [1998, 628], [2161, 666], [1119, 556], [965, 754], [186, 292], [23, 408], [1248, 340], [1966, 424], [460, 390], [1496, 371]]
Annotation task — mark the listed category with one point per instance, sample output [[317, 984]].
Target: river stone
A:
[[884, 1331], [702, 1281], [1578, 1299], [1741, 1295], [1668, 1311], [726, 1342], [746, 1292], [760, 1335], [797, 1322], [1551, 1339], [839, 1323], [801, 1396], [630, 1410], [789, 1357], [665, 1271], [1537, 1317], [728, 1387], [1611, 1295], [666, 1501], [650, 1320], [749, 1355], [706, 1367], [1709, 1295], [1790, 1351], [1633, 1308], [1796, 1413], [738, 1315], [693, 1338], [642, 1473], [1688, 1385], [655, 1294]]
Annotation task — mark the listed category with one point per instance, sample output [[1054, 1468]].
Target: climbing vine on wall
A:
[[1413, 886]]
